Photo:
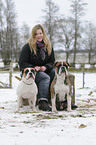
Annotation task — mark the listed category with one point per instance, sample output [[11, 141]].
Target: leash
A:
[[18, 78]]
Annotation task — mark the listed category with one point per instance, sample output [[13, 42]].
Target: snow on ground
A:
[[42, 128]]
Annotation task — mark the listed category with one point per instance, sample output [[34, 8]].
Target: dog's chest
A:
[[26, 89], [60, 87]]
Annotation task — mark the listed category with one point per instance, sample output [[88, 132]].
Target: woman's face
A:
[[39, 35]]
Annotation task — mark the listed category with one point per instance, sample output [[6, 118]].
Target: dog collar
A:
[[27, 84]]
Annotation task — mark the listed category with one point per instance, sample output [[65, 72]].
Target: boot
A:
[[74, 106], [43, 105]]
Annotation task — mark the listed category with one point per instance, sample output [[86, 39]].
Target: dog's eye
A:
[[59, 65], [26, 71], [32, 71]]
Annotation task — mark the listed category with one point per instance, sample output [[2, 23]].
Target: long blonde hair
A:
[[32, 40]]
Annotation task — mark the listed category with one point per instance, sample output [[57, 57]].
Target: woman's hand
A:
[[37, 68], [42, 68]]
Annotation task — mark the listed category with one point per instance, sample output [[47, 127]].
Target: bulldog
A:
[[61, 85], [27, 88]]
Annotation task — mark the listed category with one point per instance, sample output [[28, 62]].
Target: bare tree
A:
[[65, 34], [51, 20], [17, 45], [24, 33], [89, 39], [77, 10], [10, 31], [1, 22]]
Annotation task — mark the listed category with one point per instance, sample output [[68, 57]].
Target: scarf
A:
[[42, 51]]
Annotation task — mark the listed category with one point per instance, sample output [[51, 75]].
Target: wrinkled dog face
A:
[[61, 68], [29, 73]]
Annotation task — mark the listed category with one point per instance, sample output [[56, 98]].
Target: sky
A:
[[30, 11]]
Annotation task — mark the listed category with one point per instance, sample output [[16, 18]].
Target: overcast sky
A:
[[30, 11]]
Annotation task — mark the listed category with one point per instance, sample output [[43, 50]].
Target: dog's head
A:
[[62, 67], [29, 73]]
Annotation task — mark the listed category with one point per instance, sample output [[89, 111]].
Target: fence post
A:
[[83, 74], [72, 81], [10, 76]]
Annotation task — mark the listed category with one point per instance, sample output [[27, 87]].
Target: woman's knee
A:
[[52, 74], [42, 76]]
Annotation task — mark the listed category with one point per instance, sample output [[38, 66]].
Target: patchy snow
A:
[[42, 128]]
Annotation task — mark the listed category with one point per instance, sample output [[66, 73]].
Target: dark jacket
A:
[[29, 59]]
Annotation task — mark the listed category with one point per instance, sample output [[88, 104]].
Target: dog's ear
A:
[[22, 71], [66, 64], [57, 64]]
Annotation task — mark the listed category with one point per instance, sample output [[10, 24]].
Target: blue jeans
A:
[[43, 81]]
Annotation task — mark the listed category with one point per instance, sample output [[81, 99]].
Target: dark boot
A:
[[74, 106], [44, 106]]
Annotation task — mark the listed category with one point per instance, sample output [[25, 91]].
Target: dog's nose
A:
[[30, 74], [63, 69]]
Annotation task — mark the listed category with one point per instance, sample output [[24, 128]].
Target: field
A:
[[48, 128]]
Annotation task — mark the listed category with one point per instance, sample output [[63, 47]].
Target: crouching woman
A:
[[38, 53]]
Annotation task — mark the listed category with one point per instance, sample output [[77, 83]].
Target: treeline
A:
[[69, 32], [11, 36], [66, 32]]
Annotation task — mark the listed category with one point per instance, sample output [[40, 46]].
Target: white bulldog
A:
[[27, 88]]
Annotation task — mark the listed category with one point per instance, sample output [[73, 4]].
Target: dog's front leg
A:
[[19, 103], [54, 103], [53, 97], [68, 102], [53, 100], [34, 104]]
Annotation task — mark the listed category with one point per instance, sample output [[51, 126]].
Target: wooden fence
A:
[[81, 56], [8, 69], [83, 59]]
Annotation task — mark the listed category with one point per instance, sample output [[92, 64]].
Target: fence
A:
[[85, 60], [81, 56], [8, 71]]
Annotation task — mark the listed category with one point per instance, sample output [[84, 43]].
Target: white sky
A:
[[30, 11]]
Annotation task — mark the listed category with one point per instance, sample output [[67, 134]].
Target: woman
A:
[[38, 53]]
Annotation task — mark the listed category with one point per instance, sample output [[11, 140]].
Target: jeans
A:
[[43, 81]]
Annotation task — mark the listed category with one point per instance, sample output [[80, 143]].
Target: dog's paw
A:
[[54, 110], [34, 110], [69, 110], [17, 110]]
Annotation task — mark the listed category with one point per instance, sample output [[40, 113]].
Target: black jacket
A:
[[29, 59]]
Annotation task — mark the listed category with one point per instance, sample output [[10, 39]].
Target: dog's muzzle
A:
[[31, 75], [62, 70]]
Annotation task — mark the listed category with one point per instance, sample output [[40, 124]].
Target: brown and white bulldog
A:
[[61, 85], [27, 88]]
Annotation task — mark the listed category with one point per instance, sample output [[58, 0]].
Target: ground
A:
[[43, 128]]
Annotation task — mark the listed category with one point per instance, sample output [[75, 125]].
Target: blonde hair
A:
[[32, 40]]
